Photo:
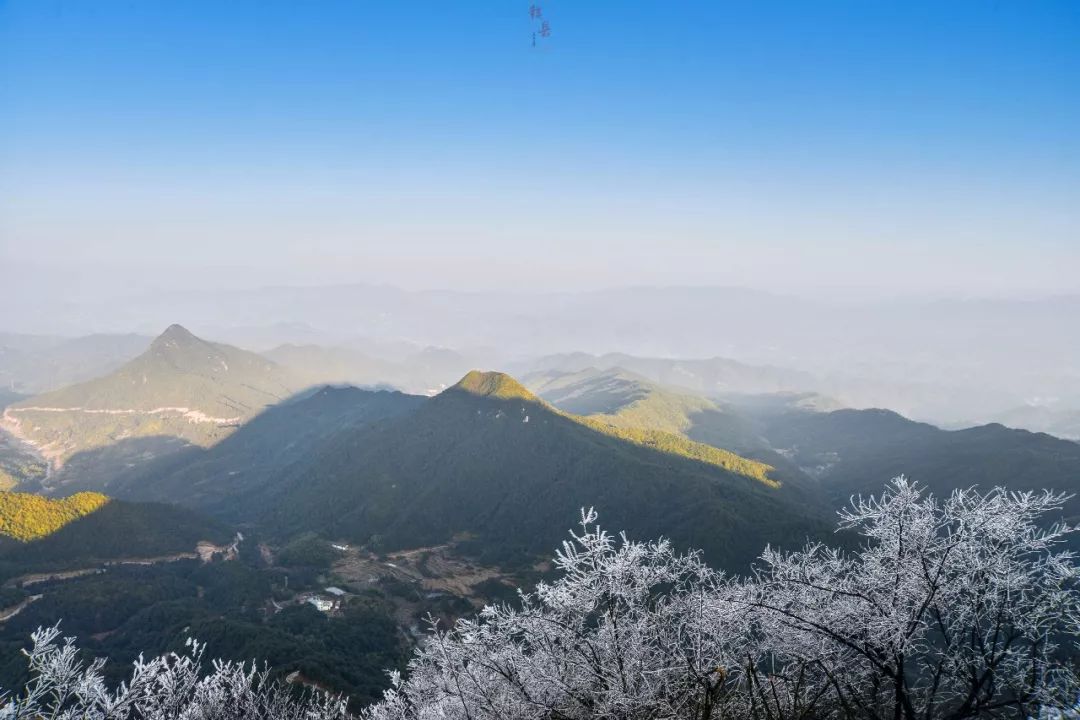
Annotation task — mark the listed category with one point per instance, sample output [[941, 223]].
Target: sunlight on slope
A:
[[677, 445], [27, 517]]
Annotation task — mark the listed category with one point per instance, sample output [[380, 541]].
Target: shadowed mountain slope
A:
[[244, 464], [105, 530], [486, 459], [855, 451]]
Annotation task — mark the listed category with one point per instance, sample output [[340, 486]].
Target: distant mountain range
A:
[[626, 400], [952, 363], [1058, 419], [949, 403], [181, 370], [946, 360], [707, 377], [426, 371], [32, 364]]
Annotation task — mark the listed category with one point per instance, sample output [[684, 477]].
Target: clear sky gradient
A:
[[903, 146]]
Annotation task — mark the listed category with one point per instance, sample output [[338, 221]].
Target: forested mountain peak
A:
[[493, 385]]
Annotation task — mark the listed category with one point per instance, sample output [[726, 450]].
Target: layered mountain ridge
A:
[[500, 465]]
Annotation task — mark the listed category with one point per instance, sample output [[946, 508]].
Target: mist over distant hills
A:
[[36, 363], [749, 325], [949, 361]]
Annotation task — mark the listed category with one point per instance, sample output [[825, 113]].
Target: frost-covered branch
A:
[[168, 687], [954, 608]]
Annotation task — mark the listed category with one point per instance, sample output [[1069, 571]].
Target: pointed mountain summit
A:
[[180, 350], [497, 385], [176, 336]]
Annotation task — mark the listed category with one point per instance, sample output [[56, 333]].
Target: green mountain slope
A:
[[616, 393], [631, 404], [489, 459], [625, 399], [182, 388], [181, 370], [651, 420]]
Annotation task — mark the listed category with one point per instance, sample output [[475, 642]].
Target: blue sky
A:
[[906, 147]]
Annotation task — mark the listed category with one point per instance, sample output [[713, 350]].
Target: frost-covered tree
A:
[[169, 687], [629, 630], [952, 609], [959, 608]]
